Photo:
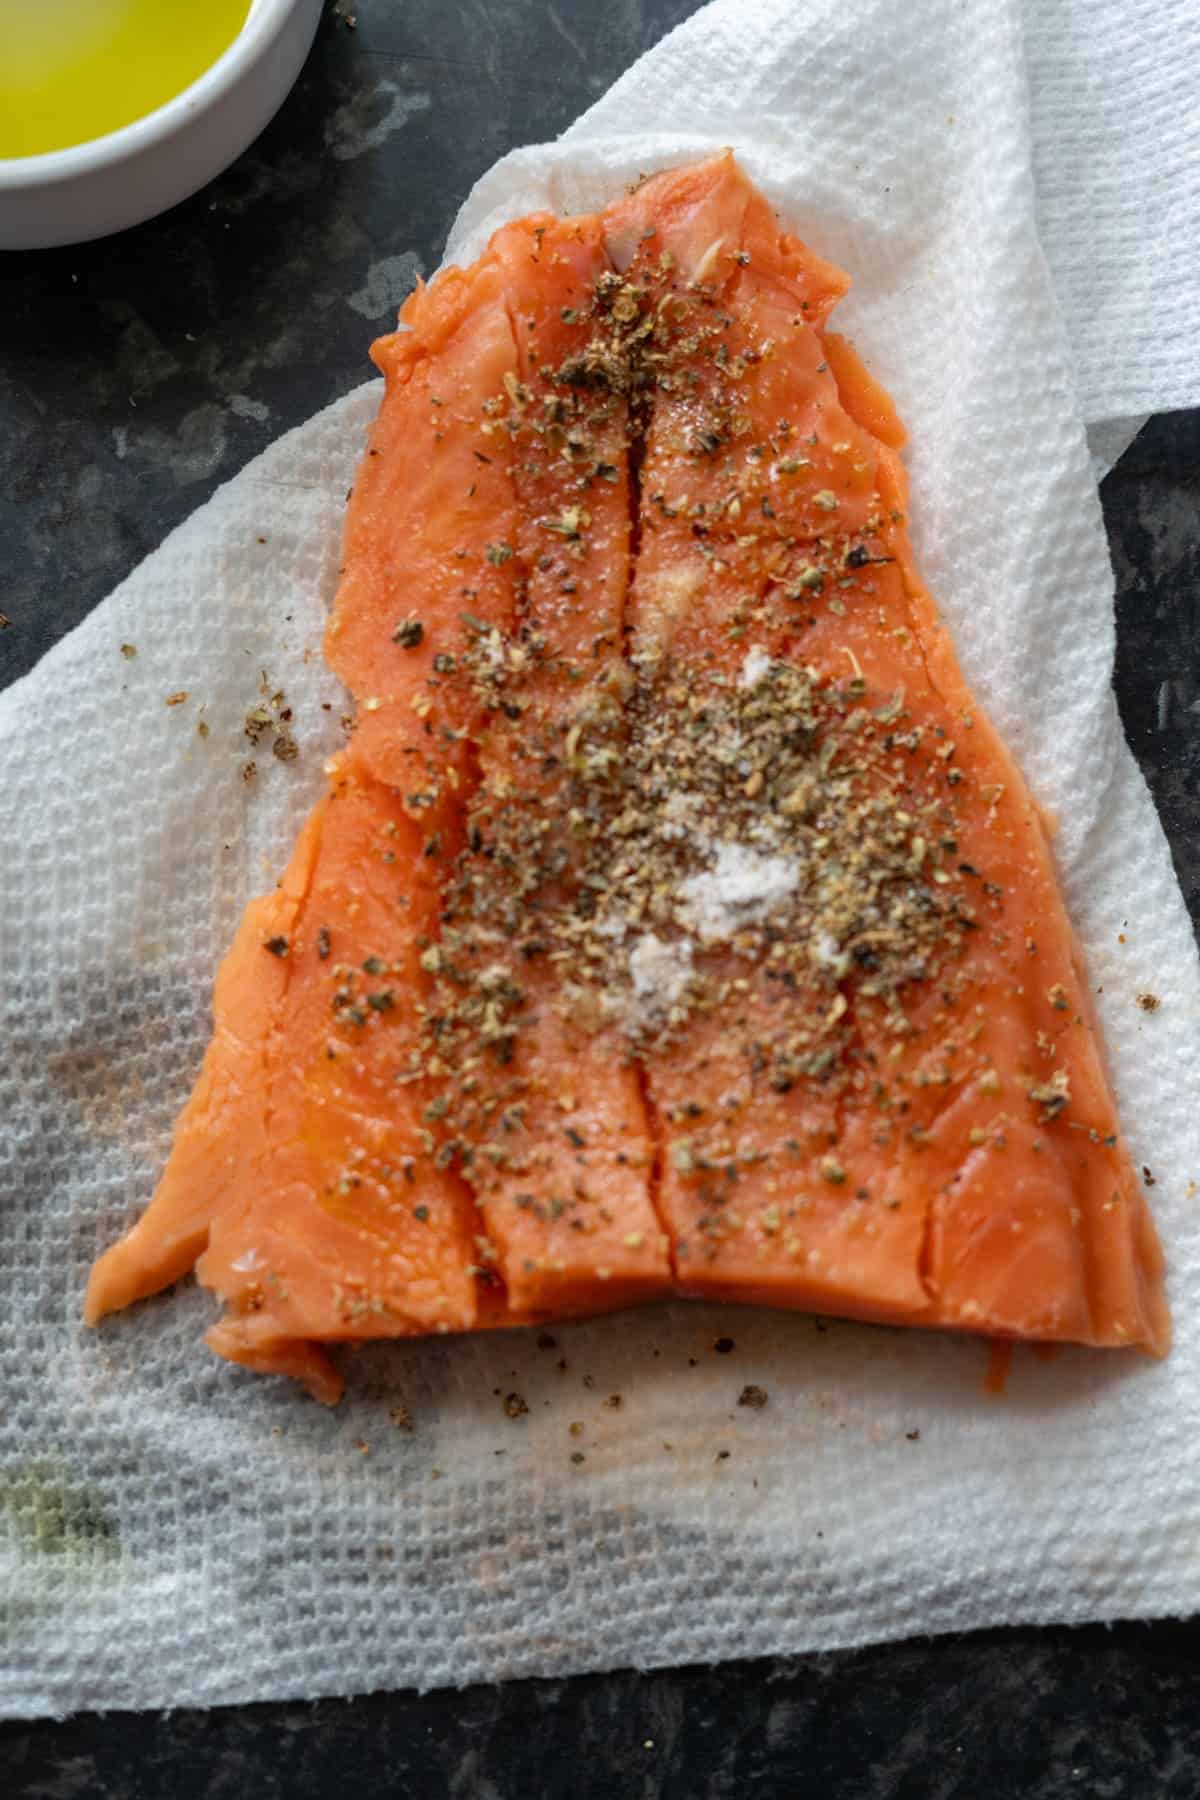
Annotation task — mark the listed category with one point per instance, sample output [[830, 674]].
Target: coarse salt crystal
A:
[[827, 953], [754, 667], [659, 972], [743, 887]]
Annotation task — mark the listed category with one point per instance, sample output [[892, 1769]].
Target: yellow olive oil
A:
[[71, 70]]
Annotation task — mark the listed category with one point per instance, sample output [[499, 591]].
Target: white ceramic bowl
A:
[[93, 189]]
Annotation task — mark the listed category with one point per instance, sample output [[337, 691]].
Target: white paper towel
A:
[[175, 1531]]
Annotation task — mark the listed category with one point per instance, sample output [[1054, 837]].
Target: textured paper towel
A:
[[175, 1531]]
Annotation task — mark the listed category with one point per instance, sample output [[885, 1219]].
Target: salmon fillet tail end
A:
[[674, 920]]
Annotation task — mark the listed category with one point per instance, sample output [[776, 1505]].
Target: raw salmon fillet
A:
[[674, 920]]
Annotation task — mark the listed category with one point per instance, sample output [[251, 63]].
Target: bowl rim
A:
[[261, 26]]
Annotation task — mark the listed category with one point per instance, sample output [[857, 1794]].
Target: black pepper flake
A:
[[724, 1345], [752, 1396], [409, 632], [1052, 1096], [278, 946], [515, 1406]]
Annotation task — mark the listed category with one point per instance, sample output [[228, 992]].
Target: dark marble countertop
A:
[[138, 374]]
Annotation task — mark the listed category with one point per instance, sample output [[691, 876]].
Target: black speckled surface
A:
[[135, 376], [1022, 1715]]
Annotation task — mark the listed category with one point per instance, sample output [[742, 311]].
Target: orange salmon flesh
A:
[[674, 921]]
